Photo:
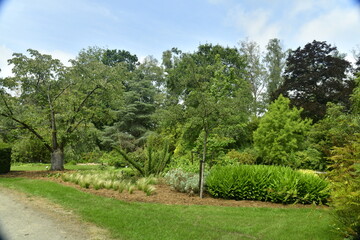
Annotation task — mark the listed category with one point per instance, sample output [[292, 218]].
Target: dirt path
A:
[[30, 218]]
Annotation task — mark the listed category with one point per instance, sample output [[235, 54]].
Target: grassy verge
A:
[[156, 221], [44, 167]]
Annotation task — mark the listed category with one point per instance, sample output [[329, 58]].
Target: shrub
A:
[[266, 183], [345, 179], [5, 158], [155, 159], [281, 133], [248, 156], [183, 181], [113, 159], [29, 150]]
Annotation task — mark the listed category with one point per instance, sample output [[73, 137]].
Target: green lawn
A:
[[157, 221], [44, 167]]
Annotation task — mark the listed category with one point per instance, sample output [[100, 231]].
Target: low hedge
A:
[[267, 183], [5, 158]]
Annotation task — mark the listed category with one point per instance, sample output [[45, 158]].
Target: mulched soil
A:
[[163, 194]]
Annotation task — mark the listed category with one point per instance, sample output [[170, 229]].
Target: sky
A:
[[148, 27]]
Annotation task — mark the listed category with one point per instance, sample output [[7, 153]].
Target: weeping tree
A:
[[54, 102]]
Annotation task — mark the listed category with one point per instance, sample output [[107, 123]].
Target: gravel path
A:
[[29, 218]]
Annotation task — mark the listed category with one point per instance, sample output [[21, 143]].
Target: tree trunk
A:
[[57, 160], [202, 165]]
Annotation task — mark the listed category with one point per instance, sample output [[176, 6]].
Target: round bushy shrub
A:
[[182, 181], [266, 183]]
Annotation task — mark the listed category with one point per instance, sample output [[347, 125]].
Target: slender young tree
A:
[[208, 88]]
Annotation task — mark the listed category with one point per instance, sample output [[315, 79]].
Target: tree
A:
[[113, 57], [274, 61], [314, 76], [345, 194], [53, 102], [336, 129], [255, 73], [281, 133], [135, 119], [208, 88]]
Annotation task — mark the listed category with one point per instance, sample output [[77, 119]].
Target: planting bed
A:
[[163, 194]]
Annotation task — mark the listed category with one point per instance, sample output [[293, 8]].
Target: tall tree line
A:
[[206, 103]]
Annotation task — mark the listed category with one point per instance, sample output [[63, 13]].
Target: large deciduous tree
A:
[[274, 61], [54, 102], [315, 75], [255, 74]]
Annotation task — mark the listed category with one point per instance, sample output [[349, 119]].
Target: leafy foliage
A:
[[345, 179], [247, 156], [5, 157], [274, 61], [281, 133], [134, 119], [315, 75], [182, 181], [154, 160], [54, 102], [30, 150], [255, 74], [336, 129], [267, 183]]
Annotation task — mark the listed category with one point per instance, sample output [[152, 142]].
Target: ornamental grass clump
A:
[[110, 180], [267, 183], [145, 185]]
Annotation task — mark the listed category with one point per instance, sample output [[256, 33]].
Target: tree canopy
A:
[[53, 102], [315, 75]]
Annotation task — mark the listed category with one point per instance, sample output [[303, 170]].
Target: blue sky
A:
[[143, 27]]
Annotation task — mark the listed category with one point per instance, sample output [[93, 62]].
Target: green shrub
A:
[[266, 183], [182, 181], [113, 158], [5, 158], [30, 150], [150, 160], [248, 156], [345, 179]]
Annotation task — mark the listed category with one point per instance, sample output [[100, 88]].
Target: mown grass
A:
[[157, 221], [44, 167]]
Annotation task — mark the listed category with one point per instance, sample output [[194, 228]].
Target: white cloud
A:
[[5, 54], [64, 57], [338, 26], [255, 24], [301, 7]]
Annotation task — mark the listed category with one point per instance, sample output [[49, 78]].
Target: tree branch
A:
[[7, 106], [72, 121], [62, 91], [30, 129]]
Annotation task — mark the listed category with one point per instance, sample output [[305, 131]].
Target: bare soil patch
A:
[[163, 194]]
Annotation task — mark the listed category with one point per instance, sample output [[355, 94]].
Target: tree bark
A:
[[202, 165], [57, 160]]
